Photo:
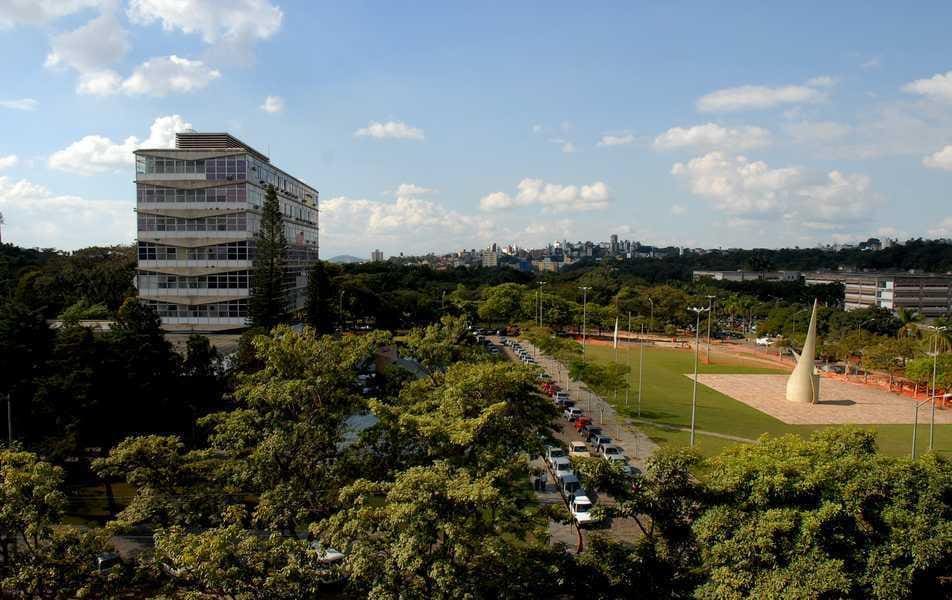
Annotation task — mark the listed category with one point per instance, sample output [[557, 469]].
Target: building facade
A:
[[929, 295], [198, 209], [376, 256], [748, 275]]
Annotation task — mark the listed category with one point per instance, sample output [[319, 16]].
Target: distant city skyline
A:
[[437, 127]]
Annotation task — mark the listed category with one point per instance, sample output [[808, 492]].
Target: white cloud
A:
[[273, 104], [756, 97], [943, 229], [97, 44], [408, 224], [99, 83], [390, 130], [937, 87], [752, 189], [822, 81], [537, 128], [232, 25], [816, 131], [677, 209], [712, 135], [617, 139], [98, 154], [8, 161], [412, 189], [169, 74], [552, 197], [940, 160], [37, 217], [38, 12], [20, 104]]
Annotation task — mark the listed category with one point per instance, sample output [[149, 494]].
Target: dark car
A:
[[590, 432]]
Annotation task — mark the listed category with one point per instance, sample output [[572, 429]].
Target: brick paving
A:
[[840, 402]]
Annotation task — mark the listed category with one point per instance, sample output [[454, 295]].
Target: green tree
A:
[[439, 345], [909, 320], [825, 517], [25, 346], [502, 304], [268, 302], [320, 296]]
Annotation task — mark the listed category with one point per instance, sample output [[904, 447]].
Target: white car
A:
[[609, 452], [552, 453], [764, 341], [626, 468], [562, 466], [578, 449], [572, 413], [581, 509]]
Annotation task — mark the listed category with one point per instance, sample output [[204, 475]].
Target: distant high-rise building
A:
[[490, 258], [376, 256], [198, 208], [613, 246]]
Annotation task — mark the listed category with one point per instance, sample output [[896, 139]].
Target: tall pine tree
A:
[[268, 303]]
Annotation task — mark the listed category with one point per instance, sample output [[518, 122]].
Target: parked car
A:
[[581, 509], [578, 449], [571, 486], [562, 466], [764, 341], [590, 433], [600, 441], [565, 403], [571, 413], [612, 451], [581, 423], [553, 452]]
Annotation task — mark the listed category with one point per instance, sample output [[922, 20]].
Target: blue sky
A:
[[438, 126]]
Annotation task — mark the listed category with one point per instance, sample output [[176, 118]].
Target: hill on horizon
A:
[[346, 259]]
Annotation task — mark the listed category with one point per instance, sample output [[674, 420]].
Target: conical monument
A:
[[804, 385]]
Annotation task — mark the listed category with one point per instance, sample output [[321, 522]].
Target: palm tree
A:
[[909, 320]]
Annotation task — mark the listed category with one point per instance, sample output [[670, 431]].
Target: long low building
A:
[[928, 294], [748, 275]]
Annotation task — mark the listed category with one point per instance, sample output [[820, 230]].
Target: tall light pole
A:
[[641, 368], [710, 314], [651, 320], [443, 301], [541, 283], [584, 315], [935, 360], [697, 344], [628, 378], [340, 310]]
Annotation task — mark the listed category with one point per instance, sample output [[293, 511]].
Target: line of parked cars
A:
[[518, 350]]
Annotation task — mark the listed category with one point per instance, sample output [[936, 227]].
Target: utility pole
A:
[[935, 360], [710, 313], [443, 301], [697, 345], [584, 315], [641, 368], [628, 377]]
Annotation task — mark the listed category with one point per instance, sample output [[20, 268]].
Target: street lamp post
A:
[[584, 315], [541, 283], [915, 426], [651, 320], [641, 368], [935, 360], [628, 377], [697, 343], [710, 314]]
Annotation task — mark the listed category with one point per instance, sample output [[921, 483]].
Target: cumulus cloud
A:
[[38, 12], [940, 160], [408, 223], [758, 97], [98, 154], [816, 131], [617, 139], [36, 216], [20, 104], [712, 135], [397, 130], [232, 25], [8, 161], [752, 189], [937, 87], [169, 74], [97, 44], [273, 104], [552, 197], [821, 81], [412, 189]]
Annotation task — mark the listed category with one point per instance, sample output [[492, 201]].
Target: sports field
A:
[[666, 401]]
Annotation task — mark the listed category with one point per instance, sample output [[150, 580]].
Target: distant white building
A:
[[748, 275], [376, 256], [491, 258]]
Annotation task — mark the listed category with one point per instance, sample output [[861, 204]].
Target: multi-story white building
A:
[[929, 295], [199, 207], [748, 275]]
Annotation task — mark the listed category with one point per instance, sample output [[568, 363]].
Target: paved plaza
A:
[[840, 402]]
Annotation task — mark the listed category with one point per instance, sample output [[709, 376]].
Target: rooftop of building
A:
[[194, 140]]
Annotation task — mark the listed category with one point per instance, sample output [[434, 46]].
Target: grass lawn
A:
[[667, 401]]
